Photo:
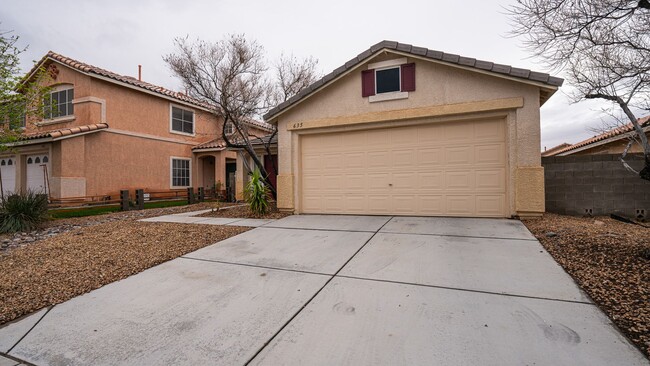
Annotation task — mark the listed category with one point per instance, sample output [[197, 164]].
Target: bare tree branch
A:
[[232, 76], [602, 46]]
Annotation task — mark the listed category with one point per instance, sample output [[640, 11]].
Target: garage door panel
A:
[[431, 180], [379, 204], [460, 205], [441, 169], [490, 205], [459, 180], [491, 180], [431, 205], [355, 203], [428, 157], [355, 182], [460, 155], [489, 130], [405, 204], [403, 158], [354, 160], [378, 181], [378, 159], [490, 154], [310, 163]]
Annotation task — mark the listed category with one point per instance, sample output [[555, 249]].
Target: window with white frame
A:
[[180, 172], [59, 103], [182, 120], [229, 128]]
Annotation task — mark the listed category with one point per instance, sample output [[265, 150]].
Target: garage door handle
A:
[[390, 184]]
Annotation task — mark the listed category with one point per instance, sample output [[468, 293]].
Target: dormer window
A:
[[59, 103], [387, 80]]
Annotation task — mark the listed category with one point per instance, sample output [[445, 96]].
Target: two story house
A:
[[110, 132]]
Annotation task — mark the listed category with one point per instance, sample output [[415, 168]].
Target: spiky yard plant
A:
[[256, 193], [23, 212]]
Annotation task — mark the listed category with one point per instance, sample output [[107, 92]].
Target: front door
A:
[[271, 165]]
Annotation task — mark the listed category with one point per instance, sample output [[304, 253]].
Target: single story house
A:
[[613, 141], [404, 130], [111, 132]]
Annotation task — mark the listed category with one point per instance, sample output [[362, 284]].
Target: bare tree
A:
[[232, 76], [603, 46]]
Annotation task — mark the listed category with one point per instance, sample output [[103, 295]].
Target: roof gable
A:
[[513, 73]]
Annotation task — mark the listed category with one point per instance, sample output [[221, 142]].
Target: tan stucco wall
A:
[[436, 85]]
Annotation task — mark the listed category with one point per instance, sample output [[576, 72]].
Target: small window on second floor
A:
[[59, 104], [182, 120], [229, 128], [387, 80]]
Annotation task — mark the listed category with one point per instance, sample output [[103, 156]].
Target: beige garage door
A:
[[442, 169]]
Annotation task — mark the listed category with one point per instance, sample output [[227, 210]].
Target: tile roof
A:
[[448, 58], [55, 134], [618, 131], [84, 67], [212, 144], [552, 151], [90, 69]]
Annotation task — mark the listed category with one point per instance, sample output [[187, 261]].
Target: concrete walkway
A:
[[192, 218], [330, 290]]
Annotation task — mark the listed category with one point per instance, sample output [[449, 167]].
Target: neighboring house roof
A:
[[605, 137], [220, 144], [421, 52], [60, 133], [111, 76], [216, 144], [552, 151], [264, 140]]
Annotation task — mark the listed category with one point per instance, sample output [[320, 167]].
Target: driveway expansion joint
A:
[[316, 293], [467, 290], [31, 328], [257, 266], [458, 236]]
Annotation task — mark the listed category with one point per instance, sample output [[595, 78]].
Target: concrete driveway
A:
[[330, 290]]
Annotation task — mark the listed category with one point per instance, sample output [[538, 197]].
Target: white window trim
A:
[[171, 130], [388, 63], [388, 96], [67, 118], [171, 171]]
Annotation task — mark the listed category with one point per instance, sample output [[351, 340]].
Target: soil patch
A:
[[610, 260], [243, 211]]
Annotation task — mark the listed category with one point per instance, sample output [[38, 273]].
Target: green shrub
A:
[[22, 212], [256, 194]]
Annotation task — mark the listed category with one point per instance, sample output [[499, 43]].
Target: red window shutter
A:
[[367, 83], [408, 77]]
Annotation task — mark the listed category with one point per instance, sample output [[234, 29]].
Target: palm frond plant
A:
[[256, 194]]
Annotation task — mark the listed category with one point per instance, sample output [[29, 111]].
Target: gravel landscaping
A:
[[610, 261], [243, 211], [55, 227], [58, 268]]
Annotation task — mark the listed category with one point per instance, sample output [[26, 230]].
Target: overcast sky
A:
[[120, 34]]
